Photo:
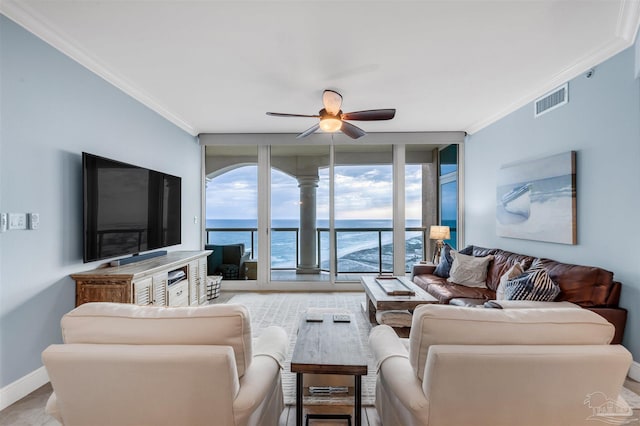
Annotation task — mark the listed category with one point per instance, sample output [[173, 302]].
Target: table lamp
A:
[[438, 233]]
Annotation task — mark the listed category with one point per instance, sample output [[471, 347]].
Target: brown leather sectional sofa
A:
[[591, 287]]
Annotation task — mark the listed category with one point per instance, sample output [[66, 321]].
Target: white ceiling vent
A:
[[551, 100]]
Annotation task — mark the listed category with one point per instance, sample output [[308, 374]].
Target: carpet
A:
[[285, 310], [633, 399]]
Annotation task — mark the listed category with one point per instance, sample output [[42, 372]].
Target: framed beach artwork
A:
[[536, 199]]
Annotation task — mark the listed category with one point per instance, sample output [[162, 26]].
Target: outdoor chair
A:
[[227, 260]]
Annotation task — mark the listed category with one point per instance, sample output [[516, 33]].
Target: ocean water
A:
[[357, 242]]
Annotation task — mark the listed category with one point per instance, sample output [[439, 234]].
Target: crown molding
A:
[[628, 20], [36, 24], [626, 30], [583, 65]]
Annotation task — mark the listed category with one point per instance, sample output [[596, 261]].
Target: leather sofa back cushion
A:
[[453, 325], [584, 285], [118, 323], [502, 262]]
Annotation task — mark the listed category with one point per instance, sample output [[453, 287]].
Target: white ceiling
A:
[[218, 66]]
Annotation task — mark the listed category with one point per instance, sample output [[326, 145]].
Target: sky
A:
[[361, 192]]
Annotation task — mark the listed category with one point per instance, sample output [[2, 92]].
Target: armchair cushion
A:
[[453, 325], [118, 323], [135, 378], [148, 366]]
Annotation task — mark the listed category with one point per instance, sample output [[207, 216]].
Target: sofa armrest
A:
[[397, 379], [256, 386], [385, 344], [261, 381], [273, 342], [617, 317], [422, 268], [52, 408]]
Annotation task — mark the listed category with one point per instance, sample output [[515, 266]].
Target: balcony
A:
[[358, 250]]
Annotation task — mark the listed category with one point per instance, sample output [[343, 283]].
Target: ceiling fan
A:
[[333, 119]]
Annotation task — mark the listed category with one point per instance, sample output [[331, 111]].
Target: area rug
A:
[[286, 310], [633, 399]]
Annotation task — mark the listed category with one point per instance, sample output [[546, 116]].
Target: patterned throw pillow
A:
[[534, 284], [515, 271], [443, 268], [468, 270]]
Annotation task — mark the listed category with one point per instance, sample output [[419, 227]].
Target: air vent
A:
[[551, 100]]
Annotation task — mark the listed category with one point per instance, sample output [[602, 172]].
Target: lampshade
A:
[[439, 233], [330, 124]]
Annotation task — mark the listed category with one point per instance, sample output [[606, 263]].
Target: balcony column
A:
[[308, 231]]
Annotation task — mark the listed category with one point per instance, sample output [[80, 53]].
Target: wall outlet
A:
[[4, 222], [17, 221], [34, 220]]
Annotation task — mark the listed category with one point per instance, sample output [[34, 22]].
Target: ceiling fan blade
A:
[[352, 131], [280, 114], [309, 131], [370, 115], [332, 101]]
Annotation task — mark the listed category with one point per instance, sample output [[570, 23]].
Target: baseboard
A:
[[22, 387], [634, 371]]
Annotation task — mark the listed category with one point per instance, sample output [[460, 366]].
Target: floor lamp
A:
[[438, 233]]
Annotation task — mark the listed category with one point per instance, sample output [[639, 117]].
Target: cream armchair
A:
[[138, 365], [463, 366]]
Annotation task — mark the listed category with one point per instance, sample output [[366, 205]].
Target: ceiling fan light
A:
[[330, 124]]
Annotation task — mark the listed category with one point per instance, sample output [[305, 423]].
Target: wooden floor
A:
[[369, 415]]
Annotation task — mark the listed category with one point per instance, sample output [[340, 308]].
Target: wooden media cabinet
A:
[[147, 282]]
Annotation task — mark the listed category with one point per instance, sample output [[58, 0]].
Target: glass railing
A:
[[358, 250]]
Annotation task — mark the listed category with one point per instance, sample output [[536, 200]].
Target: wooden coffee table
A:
[[378, 300], [328, 347]]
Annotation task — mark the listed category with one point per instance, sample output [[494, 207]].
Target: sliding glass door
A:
[[363, 205], [231, 212], [319, 216], [299, 212]]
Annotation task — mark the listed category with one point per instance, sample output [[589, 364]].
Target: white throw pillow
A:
[[513, 272], [469, 270]]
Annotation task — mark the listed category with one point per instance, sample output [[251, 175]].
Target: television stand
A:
[[146, 282]]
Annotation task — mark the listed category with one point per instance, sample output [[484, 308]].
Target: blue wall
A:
[[52, 109], [602, 123]]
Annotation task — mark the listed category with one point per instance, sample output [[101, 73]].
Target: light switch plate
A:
[[4, 222], [34, 220], [17, 221]]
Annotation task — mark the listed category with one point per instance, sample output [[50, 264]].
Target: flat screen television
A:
[[128, 209]]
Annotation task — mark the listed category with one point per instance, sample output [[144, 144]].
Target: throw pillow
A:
[[444, 267], [468, 250], [468, 270], [534, 284], [515, 271]]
